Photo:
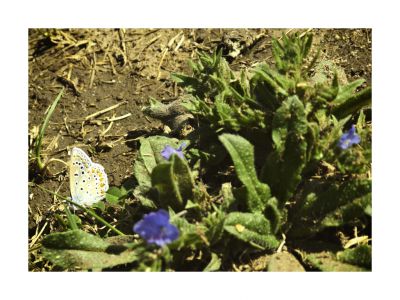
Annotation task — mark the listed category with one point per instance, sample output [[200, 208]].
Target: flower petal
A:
[[168, 151], [156, 229]]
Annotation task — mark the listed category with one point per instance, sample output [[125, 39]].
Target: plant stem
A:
[[71, 221]]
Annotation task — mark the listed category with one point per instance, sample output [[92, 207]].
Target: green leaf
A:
[[349, 213], [143, 194], [113, 195], [100, 205], [273, 214], [184, 79], [242, 154], [183, 177], [87, 260], [214, 264], [149, 156], [168, 193], [214, 223], [283, 167], [189, 234], [43, 126], [75, 239], [290, 52], [252, 228], [353, 104], [360, 255], [326, 203], [174, 183], [271, 82], [327, 262], [77, 249], [347, 91]]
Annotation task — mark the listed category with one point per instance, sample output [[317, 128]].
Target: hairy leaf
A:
[[252, 228], [242, 154]]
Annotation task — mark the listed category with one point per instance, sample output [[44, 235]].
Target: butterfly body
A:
[[88, 180]]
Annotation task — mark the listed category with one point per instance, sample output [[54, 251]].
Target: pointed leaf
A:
[[283, 167], [74, 239], [214, 264], [174, 183], [242, 154], [252, 228], [78, 249], [361, 256]]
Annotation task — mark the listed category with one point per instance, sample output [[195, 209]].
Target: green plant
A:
[[38, 141], [282, 127]]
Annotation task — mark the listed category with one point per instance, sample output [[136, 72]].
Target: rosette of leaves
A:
[[221, 98], [211, 74], [236, 101]]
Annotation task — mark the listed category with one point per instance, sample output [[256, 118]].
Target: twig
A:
[[287, 32], [37, 236], [107, 129], [104, 111], [179, 43], [111, 64], [66, 126], [118, 118], [281, 244], [108, 81], [165, 51], [121, 33], [93, 71], [57, 160], [147, 45], [70, 67], [305, 32]]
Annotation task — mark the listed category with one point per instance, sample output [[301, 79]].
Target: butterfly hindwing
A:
[[88, 180]]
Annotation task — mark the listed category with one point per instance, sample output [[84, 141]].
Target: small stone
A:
[[284, 262]]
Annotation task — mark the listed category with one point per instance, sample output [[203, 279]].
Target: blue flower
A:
[[349, 138], [156, 229], [168, 151]]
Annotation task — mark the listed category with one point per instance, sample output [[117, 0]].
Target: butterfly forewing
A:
[[88, 181]]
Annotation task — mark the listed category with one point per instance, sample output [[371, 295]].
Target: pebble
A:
[[284, 262]]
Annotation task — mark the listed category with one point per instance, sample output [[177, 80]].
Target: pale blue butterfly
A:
[[88, 180]]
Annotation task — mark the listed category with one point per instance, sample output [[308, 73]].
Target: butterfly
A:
[[88, 181]]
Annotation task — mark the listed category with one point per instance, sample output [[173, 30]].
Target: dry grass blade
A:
[[104, 111]]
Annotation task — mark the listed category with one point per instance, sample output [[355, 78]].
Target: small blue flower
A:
[[349, 138], [156, 229], [168, 151]]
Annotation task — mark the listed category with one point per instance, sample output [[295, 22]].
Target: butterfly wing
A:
[[88, 180]]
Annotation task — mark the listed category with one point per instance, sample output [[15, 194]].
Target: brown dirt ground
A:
[[102, 68]]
